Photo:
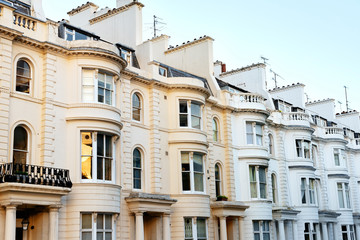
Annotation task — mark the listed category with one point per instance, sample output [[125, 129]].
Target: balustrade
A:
[[334, 130], [251, 98], [297, 116], [25, 22], [32, 174]]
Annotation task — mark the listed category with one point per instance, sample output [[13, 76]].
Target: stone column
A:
[[223, 233], [139, 221], [281, 230], [54, 222], [241, 228], [357, 228], [10, 222], [294, 227], [166, 227], [324, 231], [331, 231]]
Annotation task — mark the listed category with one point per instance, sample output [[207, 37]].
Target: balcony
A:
[[334, 132], [36, 175], [246, 101], [296, 118]]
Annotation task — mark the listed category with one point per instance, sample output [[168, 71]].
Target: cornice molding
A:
[[188, 44]]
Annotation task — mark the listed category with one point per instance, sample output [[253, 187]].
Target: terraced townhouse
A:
[[106, 136]]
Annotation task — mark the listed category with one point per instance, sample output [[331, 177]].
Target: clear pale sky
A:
[[312, 42]]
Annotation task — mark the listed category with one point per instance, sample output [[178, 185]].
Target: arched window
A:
[[137, 171], [20, 146], [215, 127], [271, 144], [136, 107], [274, 187], [23, 76], [218, 176]]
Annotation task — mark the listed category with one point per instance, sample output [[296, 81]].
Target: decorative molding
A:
[[188, 44], [339, 176]]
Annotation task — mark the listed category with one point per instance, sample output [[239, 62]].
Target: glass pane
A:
[[108, 146], [262, 175], [86, 143], [201, 228], [258, 129], [136, 101], [266, 236], [86, 221], [183, 120], [249, 139], [259, 140], [99, 236], [185, 162], [186, 181], [108, 220], [256, 225], [249, 128], [100, 95], [100, 168], [108, 169], [217, 172], [266, 226], [198, 179], [86, 236], [195, 122], [88, 93], [257, 236], [108, 236], [188, 227], [183, 107], [198, 162], [195, 109], [108, 97], [100, 221], [19, 157], [136, 114], [100, 145], [20, 138], [252, 172], [136, 158], [86, 167], [262, 190], [88, 77]]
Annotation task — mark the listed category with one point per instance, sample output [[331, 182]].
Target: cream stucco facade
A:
[[106, 136]]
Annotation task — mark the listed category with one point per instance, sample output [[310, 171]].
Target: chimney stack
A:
[[223, 67]]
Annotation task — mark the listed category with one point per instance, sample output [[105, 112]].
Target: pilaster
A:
[[5, 86], [322, 170], [229, 156], [47, 111], [154, 99], [283, 170]]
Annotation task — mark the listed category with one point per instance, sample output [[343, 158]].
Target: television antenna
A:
[[307, 97], [275, 77], [156, 24], [340, 106], [264, 59]]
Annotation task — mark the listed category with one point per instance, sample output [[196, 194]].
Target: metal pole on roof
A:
[[347, 102]]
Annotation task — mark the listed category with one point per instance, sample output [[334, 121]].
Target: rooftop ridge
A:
[[188, 43], [343, 113], [287, 87], [242, 69], [114, 11], [82, 8], [320, 101]]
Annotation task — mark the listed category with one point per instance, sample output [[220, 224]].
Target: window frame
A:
[[192, 172], [94, 230], [257, 182], [94, 160], [140, 108], [345, 195], [139, 169], [310, 193], [253, 134], [261, 231], [312, 230], [215, 129], [28, 78], [95, 86], [164, 73], [349, 231], [302, 150], [26, 151], [274, 188], [271, 145], [189, 114], [194, 228], [218, 180]]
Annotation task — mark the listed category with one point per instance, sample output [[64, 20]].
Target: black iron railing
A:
[[32, 174]]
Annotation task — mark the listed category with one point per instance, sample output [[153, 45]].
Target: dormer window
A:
[[22, 7], [162, 71], [126, 55], [72, 35]]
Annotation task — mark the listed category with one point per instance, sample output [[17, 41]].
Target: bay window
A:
[[190, 114], [343, 195], [254, 133], [195, 228], [97, 86], [97, 226], [96, 156], [302, 148], [192, 168], [258, 181]]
